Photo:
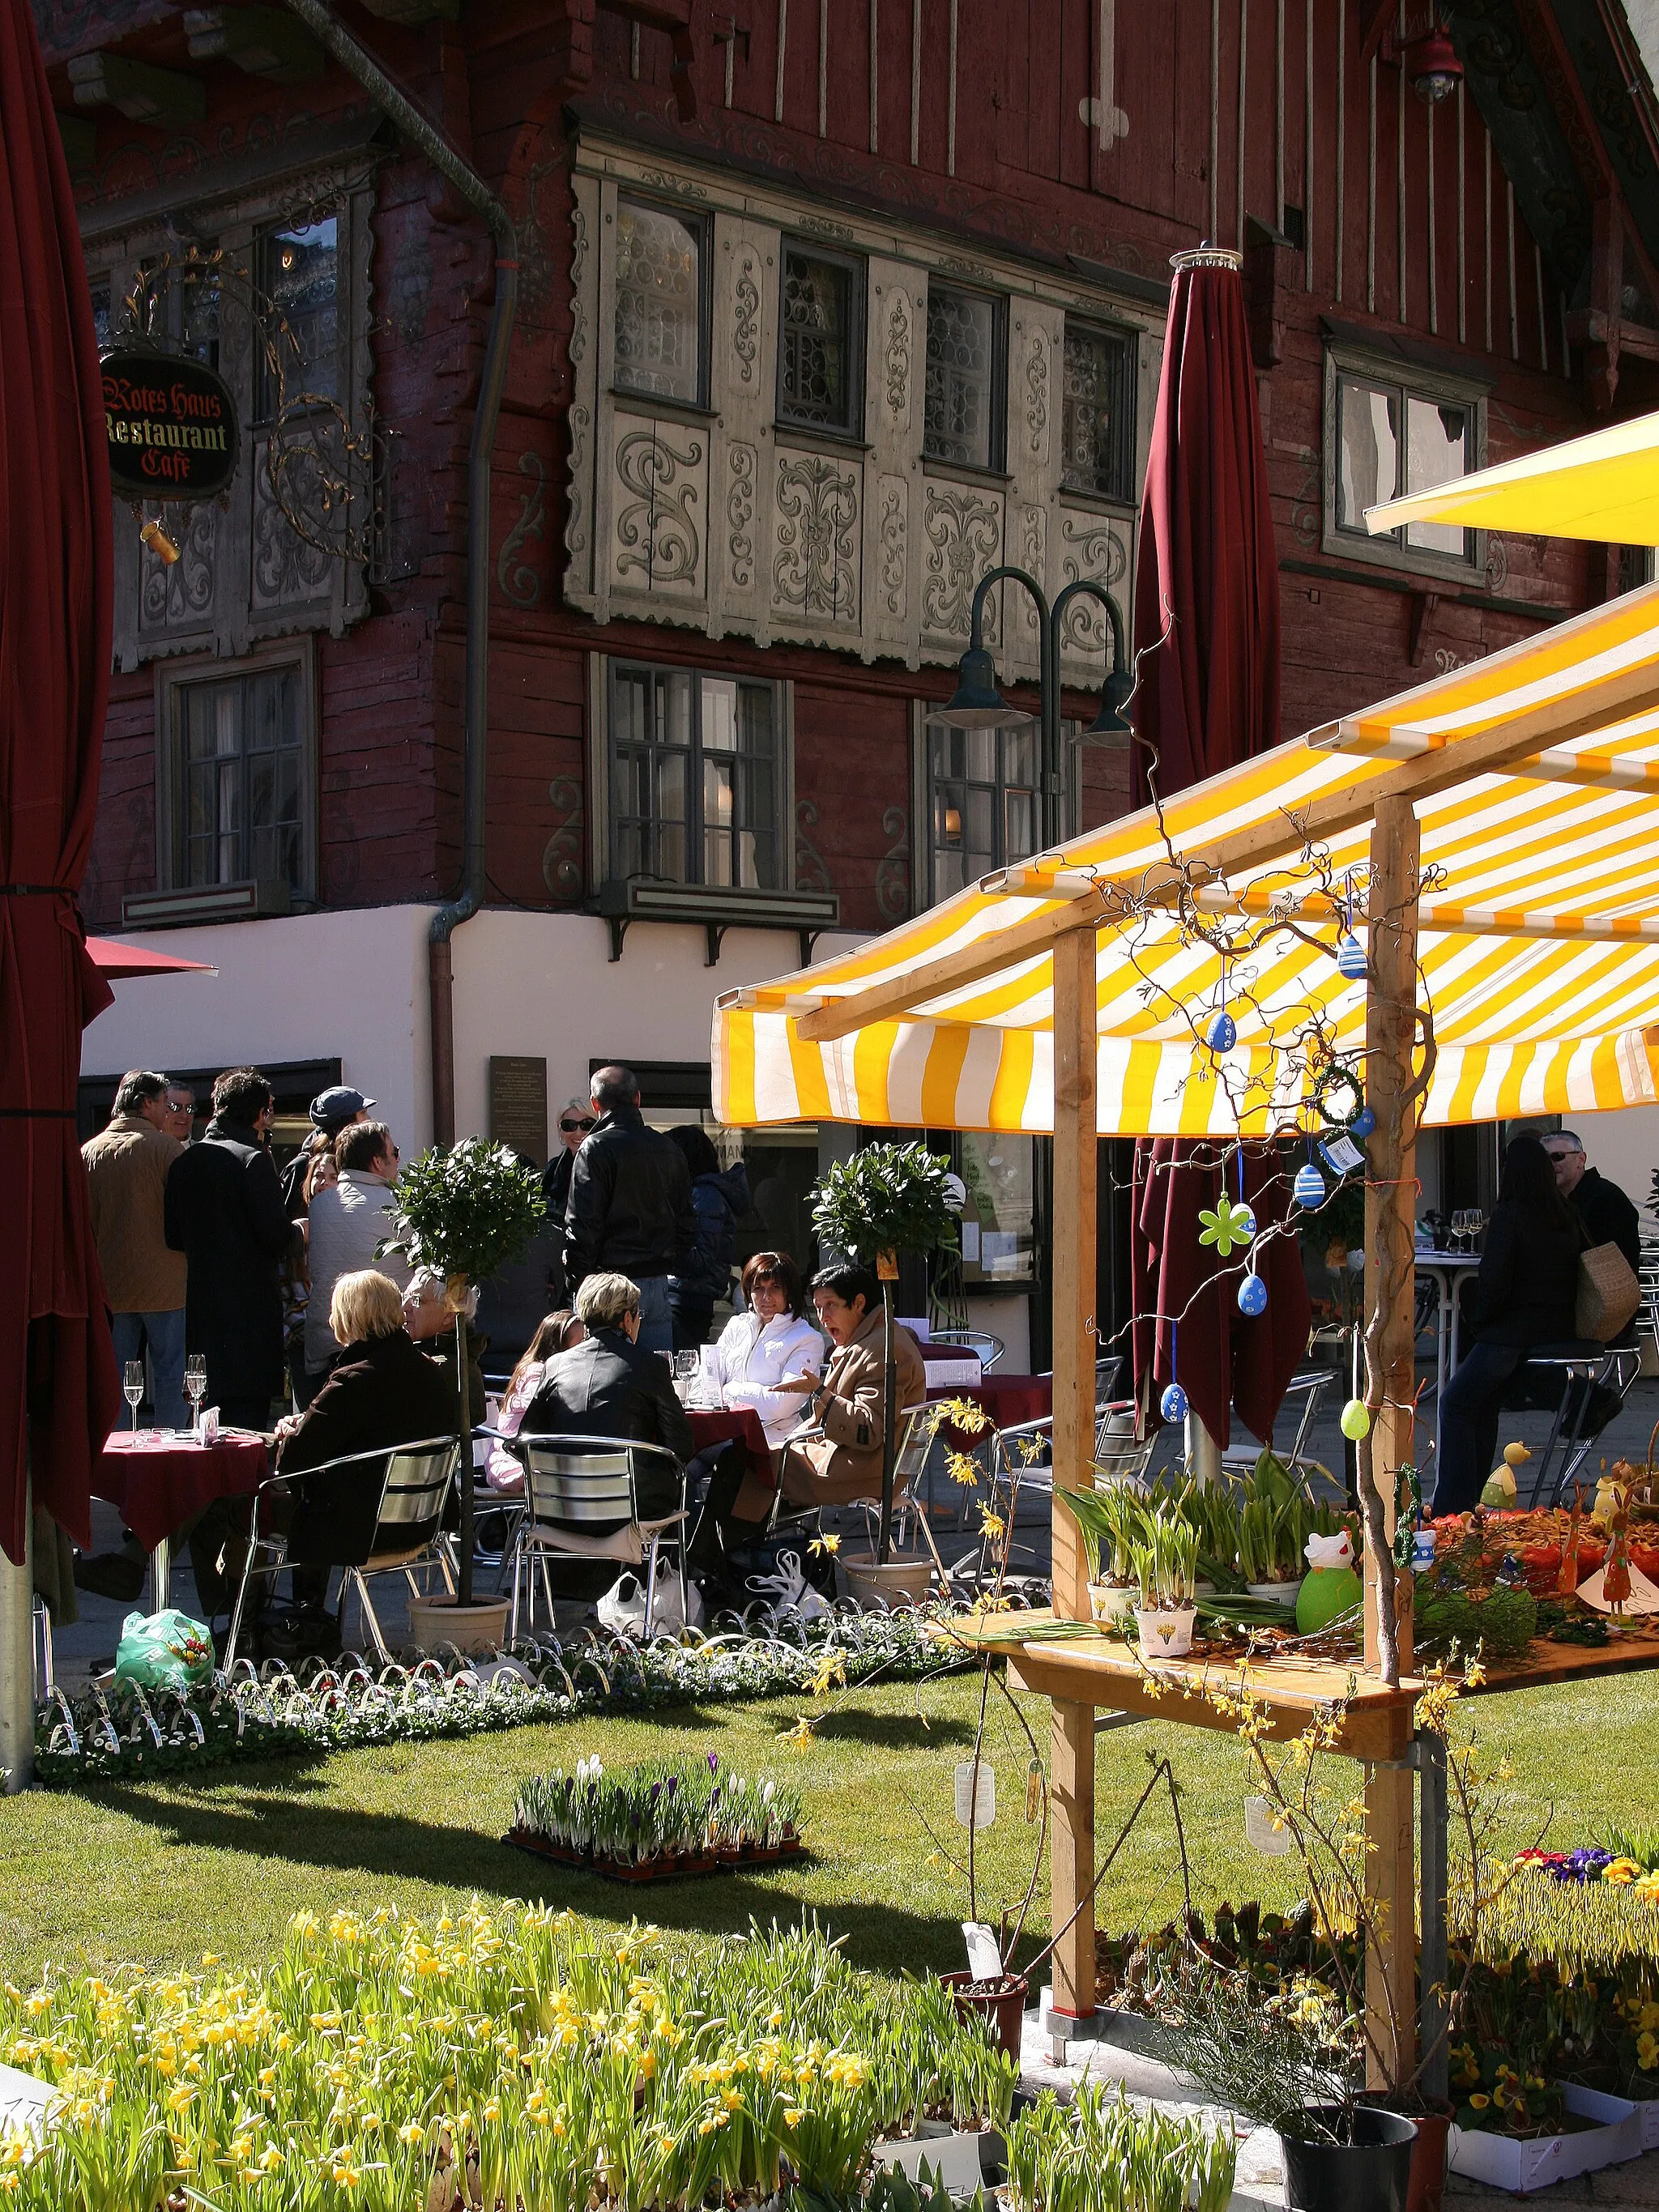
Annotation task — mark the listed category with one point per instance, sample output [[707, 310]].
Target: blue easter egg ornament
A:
[[1364, 1122], [1222, 1033], [1351, 958], [1173, 1404], [1252, 1296], [1309, 1189]]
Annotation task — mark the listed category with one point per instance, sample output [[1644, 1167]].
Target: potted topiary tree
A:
[[886, 1199], [464, 1214]]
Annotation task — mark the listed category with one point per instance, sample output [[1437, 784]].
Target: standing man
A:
[[127, 1168], [332, 1110], [179, 1120], [348, 1223], [576, 1118], [629, 1212]]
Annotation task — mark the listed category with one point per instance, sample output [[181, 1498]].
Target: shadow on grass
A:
[[348, 1840], [891, 1731]]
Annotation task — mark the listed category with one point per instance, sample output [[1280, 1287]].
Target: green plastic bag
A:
[[164, 1650]]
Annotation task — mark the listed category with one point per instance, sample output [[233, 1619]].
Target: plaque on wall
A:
[[518, 1103]]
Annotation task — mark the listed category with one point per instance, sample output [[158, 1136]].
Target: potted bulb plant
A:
[[1111, 1519], [1166, 1571], [886, 1199], [463, 1214]]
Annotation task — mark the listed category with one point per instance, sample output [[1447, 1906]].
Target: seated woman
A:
[[850, 1402], [606, 1386], [1524, 1296], [758, 1349], [380, 1392], [559, 1332]]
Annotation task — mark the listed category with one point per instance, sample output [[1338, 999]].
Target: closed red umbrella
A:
[[59, 1397], [1207, 647]]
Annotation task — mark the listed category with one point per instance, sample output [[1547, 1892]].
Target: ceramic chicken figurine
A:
[[1499, 1496]]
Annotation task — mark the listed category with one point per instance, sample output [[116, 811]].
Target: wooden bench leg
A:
[[1072, 1857]]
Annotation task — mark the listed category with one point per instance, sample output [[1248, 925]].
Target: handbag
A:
[[1609, 1293]]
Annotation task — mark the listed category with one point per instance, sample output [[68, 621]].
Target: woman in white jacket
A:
[[769, 1342]]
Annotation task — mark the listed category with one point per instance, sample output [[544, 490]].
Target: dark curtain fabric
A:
[[59, 1395], [1206, 642]]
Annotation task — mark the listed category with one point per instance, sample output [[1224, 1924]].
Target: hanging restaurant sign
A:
[[171, 423]]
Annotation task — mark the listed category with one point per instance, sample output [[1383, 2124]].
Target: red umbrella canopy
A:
[[1207, 647], [58, 1396], [116, 962]]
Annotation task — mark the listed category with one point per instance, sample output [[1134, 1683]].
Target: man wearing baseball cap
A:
[[332, 1110]]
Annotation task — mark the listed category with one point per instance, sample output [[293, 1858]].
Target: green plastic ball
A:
[[1324, 1596], [1356, 1421]]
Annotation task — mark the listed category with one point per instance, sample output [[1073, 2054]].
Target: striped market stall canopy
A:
[[1602, 486], [1534, 774]]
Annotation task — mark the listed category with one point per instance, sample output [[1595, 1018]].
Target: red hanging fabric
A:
[[59, 1394]]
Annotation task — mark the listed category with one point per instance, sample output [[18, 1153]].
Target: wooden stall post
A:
[[1390, 1216], [1076, 1047]]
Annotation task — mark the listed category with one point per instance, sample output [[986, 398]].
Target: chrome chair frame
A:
[[1587, 1368], [429, 1552], [607, 1468]]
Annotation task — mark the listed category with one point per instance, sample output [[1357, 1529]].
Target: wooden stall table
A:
[[158, 1481]]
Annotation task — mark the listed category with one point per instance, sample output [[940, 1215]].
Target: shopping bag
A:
[[164, 1650], [621, 1609], [1609, 1293]]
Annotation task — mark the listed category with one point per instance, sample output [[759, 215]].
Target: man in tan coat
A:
[[127, 1166], [849, 1403]]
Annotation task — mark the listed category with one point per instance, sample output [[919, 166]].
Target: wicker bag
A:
[[1609, 1293]]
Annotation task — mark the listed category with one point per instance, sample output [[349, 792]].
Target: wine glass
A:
[[1459, 1222], [132, 1388], [195, 1384], [1477, 1225]]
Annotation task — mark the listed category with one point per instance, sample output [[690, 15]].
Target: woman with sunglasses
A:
[[576, 1118]]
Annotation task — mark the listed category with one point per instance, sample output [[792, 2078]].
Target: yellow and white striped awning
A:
[[1534, 774], [1604, 485]]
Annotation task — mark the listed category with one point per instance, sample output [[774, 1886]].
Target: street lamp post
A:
[[976, 703]]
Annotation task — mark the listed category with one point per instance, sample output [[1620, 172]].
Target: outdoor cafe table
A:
[[1451, 1270], [1378, 1725], [741, 1425], [158, 1481], [1007, 1400]]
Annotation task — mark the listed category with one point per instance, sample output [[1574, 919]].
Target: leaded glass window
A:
[[660, 303], [962, 404], [697, 778], [1097, 412], [821, 341], [983, 796], [241, 779], [299, 266], [1391, 440]]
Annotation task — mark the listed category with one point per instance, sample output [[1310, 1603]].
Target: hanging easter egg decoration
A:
[[1252, 1296], [1221, 1034], [1309, 1189], [1356, 1421], [1351, 958], [1363, 1124], [1173, 1404]]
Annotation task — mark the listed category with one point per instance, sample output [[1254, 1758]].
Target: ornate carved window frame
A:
[[176, 674], [856, 267], [245, 576], [700, 224]]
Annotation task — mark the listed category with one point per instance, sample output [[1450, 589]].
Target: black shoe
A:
[[110, 1574], [306, 1631]]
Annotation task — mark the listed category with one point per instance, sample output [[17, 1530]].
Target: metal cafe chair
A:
[[582, 1499], [1568, 1377], [1302, 1395], [413, 1481], [911, 1459], [987, 1349]]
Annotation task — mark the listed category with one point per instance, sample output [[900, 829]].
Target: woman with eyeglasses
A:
[[576, 1118]]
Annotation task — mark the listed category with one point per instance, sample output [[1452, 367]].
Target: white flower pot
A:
[[1277, 1593], [1112, 1602], [1166, 1631]]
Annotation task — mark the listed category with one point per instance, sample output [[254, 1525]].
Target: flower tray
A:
[[1609, 2131], [679, 1868]]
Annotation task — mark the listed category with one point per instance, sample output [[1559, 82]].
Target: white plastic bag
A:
[[787, 1590], [621, 1609]]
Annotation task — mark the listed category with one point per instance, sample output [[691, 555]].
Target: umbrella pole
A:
[[1203, 1454], [17, 1659], [1391, 1212], [1072, 1794]]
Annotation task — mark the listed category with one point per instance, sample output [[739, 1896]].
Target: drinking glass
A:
[[132, 1388], [196, 1383], [1460, 1223], [1477, 1225]]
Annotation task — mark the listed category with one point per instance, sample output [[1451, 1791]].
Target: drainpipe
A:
[[421, 131]]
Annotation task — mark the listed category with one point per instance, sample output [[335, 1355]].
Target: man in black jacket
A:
[[1607, 1214], [224, 1210], [629, 1211], [610, 1385]]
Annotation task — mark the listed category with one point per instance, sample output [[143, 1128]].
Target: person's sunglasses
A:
[[577, 1125]]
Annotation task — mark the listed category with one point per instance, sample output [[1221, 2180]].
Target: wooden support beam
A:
[[1390, 1213], [1073, 1856], [142, 92], [266, 42]]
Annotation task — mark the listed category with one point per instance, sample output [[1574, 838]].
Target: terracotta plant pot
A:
[[900, 1582], [1428, 2173], [437, 1620], [1002, 2002]]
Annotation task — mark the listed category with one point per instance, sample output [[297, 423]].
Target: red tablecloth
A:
[[733, 1423], [159, 1484], [1008, 1399]]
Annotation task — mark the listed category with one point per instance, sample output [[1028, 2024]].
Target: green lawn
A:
[[156, 1874]]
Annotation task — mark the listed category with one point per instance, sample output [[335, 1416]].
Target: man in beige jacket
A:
[[127, 1166], [849, 1403]]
